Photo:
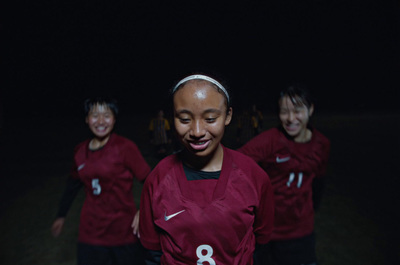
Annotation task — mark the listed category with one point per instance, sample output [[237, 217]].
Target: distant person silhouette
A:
[[247, 126], [295, 156], [160, 134], [105, 165]]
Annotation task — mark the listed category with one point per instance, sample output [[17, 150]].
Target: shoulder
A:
[[122, 141], [263, 140], [243, 162], [82, 145], [270, 134], [321, 138], [163, 168]]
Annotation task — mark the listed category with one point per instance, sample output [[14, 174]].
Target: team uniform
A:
[[107, 175], [206, 221], [292, 167]]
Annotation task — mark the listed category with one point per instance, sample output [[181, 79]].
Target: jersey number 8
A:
[[206, 257]]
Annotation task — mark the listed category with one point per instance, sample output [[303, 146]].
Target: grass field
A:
[[356, 224]]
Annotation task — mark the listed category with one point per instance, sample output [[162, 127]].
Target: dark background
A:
[[57, 53]]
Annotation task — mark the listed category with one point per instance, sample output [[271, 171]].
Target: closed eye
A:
[[210, 120], [185, 121]]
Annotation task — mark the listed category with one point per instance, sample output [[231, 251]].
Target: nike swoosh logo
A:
[[81, 166], [283, 159], [167, 217]]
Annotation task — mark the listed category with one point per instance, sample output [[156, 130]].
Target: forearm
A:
[[71, 190]]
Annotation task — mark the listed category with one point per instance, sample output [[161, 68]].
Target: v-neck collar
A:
[[220, 188]]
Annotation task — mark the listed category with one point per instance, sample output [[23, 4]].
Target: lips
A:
[[291, 127], [201, 145], [101, 129]]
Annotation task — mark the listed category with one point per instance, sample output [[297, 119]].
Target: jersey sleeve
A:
[[257, 147], [326, 152], [264, 214], [324, 147], [72, 188], [136, 162], [149, 235]]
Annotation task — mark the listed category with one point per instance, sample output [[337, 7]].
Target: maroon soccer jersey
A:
[[291, 167], [207, 221], [107, 175]]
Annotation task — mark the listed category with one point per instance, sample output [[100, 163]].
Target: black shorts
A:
[[292, 252], [132, 254]]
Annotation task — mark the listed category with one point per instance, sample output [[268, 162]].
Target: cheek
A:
[[180, 129], [110, 121], [217, 129], [91, 121]]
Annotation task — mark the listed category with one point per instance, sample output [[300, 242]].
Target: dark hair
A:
[[111, 103], [298, 94]]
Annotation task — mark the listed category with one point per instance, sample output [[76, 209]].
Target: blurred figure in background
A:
[[249, 124], [105, 165], [160, 134], [295, 156]]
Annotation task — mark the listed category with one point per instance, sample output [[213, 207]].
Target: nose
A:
[[291, 116], [101, 119], [197, 130]]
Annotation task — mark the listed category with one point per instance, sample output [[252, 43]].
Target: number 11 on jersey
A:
[[292, 176]]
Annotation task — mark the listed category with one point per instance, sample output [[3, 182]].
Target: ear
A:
[[311, 110], [228, 116], [87, 119]]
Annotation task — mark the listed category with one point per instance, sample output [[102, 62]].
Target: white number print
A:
[[206, 257], [292, 177], [96, 187]]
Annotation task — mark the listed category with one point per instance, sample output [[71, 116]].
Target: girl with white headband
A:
[[206, 204]]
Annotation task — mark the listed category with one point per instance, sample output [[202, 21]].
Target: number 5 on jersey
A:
[[96, 187]]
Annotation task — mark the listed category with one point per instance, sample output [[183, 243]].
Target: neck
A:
[[97, 143], [304, 137], [210, 163]]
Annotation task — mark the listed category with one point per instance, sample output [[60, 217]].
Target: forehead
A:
[[290, 102], [99, 107], [198, 90]]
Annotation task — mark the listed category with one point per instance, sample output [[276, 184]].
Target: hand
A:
[[57, 226], [135, 224]]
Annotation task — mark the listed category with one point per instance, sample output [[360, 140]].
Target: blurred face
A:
[[101, 121], [200, 117], [294, 118]]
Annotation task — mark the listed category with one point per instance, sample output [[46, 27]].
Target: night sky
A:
[[57, 53]]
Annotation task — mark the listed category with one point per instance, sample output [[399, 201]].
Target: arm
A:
[[71, 190]]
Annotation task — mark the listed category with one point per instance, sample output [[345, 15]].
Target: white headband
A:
[[202, 77]]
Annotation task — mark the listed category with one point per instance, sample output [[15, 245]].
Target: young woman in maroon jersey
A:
[[105, 165], [294, 155], [206, 204]]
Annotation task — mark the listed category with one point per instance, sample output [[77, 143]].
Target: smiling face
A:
[[200, 117], [295, 117], [100, 120]]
